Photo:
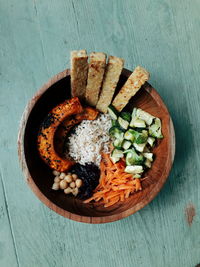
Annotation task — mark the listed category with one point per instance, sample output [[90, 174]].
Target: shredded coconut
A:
[[89, 140]]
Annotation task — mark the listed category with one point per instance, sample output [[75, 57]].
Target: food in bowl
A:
[[99, 154]]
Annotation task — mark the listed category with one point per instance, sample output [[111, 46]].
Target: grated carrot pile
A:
[[114, 185]]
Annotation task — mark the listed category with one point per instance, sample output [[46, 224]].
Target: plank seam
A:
[[9, 219], [75, 15], [40, 33]]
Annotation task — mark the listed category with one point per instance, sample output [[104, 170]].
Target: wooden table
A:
[[35, 40]]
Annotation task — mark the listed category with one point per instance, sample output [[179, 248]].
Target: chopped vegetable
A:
[[148, 156], [135, 143], [126, 116], [141, 138], [155, 129], [112, 112], [135, 169], [116, 155], [132, 158], [118, 143], [137, 175], [115, 185], [129, 135], [139, 147], [123, 123], [135, 122], [143, 115], [116, 132], [126, 144], [151, 140], [115, 123], [147, 163]]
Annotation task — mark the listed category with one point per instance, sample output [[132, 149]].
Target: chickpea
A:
[[63, 184], [62, 175], [72, 185], [55, 186], [57, 179], [56, 173], [68, 190], [74, 176], [78, 183], [68, 178], [75, 191]]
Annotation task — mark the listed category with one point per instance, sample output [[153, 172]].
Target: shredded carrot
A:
[[122, 196], [114, 184], [112, 202], [138, 184]]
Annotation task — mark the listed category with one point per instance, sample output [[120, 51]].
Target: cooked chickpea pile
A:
[[70, 183]]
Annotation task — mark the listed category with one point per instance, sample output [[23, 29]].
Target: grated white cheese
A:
[[89, 140]]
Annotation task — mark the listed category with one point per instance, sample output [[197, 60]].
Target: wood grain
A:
[[163, 36], [40, 178], [7, 242]]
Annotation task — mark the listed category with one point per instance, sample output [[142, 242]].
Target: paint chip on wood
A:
[[190, 213]]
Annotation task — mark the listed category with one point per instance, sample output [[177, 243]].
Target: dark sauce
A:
[[89, 174]]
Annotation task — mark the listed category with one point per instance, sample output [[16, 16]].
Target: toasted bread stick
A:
[[111, 78], [79, 70], [96, 71], [130, 88]]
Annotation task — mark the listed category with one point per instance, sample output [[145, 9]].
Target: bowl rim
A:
[[59, 210]]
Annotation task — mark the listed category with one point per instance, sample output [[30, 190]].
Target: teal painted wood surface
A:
[[35, 40]]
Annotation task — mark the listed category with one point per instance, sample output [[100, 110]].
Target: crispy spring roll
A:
[[111, 78], [130, 88]]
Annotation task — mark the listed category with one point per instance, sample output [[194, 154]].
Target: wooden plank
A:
[[7, 239], [163, 36]]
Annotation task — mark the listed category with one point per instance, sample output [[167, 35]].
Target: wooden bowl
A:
[[39, 176]]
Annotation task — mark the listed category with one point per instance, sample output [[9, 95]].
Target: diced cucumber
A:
[[136, 169], [148, 156], [126, 116], [147, 163], [134, 112], [141, 138], [112, 112], [135, 122], [155, 130], [132, 158], [126, 144], [118, 143], [116, 155], [137, 137], [129, 160], [123, 123], [129, 135], [128, 150], [136, 175], [151, 140], [115, 123], [116, 132], [139, 147], [143, 115]]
